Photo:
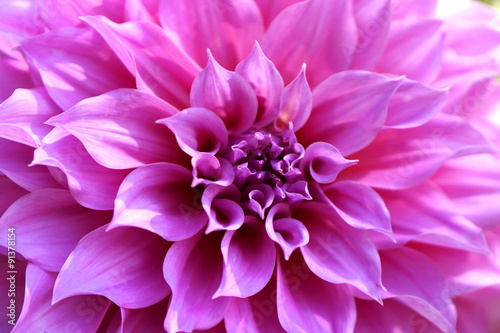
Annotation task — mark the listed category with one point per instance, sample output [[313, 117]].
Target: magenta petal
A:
[[439, 222], [193, 270], [270, 9], [159, 198], [227, 94], [38, 314], [168, 74], [405, 158], [360, 206], [296, 103], [208, 169], [223, 212], [227, 27], [338, 253], [349, 110], [22, 116], [323, 162], [409, 9], [414, 104], [309, 304], [44, 216], [267, 83], [118, 129], [249, 260], [10, 193], [122, 264], [327, 45], [75, 64], [198, 130], [148, 319], [399, 269]]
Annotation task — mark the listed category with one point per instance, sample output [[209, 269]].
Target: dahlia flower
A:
[[249, 166]]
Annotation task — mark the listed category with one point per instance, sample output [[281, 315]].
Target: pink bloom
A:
[[327, 165]]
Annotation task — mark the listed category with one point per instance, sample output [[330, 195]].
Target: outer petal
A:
[[44, 216], [148, 319], [75, 64], [321, 33], [249, 259], [125, 134], [227, 27], [10, 193], [38, 314], [159, 198], [405, 158], [308, 304], [22, 116], [19, 267], [227, 94], [193, 269], [123, 265], [409, 9], [337, 252], [91, 184], [270, 9], [159, 66], [349, 110]]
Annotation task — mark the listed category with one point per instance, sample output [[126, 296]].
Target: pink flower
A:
[[327, 166]]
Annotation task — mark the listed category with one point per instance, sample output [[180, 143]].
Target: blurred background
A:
[[494, 3]]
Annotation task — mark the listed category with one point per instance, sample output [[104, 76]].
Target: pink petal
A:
[[438, 220], [414, 49], [209, 169], [308, 304], [478, 311], [414, 104], [10, 193], [111, 323], [47, 215], [14, 18], [296, 103], [266, 82], [320, 33], [360, 206], [123, 265], [193, 269], [399, 269], [249, 259], [405, 158], [323, 162], [148, 319], [227, 27], [338, 253], [409, 9], [227, 94], [168, 74], [159, 198], [76, 313], [349, 110], [472, 38], [118, 129], [270, 9], [198, 130], [91, 184], [75, 64], [223, 212]]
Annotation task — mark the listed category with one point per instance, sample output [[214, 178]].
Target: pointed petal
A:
[[266, 82], [308, 304], [414, 104], [123, 265], [323, 162], [75, 64], [91, 184], [404, 158], [227, 94], [438, 220], [227, 27], [193, 270], [22, 116], [349, 110], [337, 252], [44, 216], [321, 33], [118, 129], [159, 198], [295, 104], [360, 206], [159, 66], [249, 259], [148, 319], [76, 313], [197, 130]]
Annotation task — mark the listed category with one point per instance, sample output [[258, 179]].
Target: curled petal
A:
[[223, 212], [208, 169], [249, 260], [159, 198], [260, 198], [198, 130]]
